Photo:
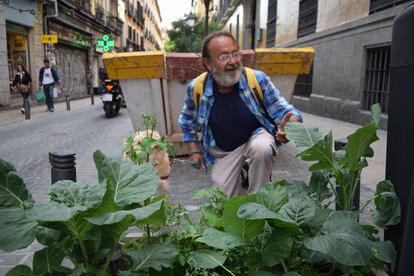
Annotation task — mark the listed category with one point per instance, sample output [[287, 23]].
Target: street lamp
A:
[[191, 20]]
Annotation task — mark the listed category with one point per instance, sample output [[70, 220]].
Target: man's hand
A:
[[281, 134]]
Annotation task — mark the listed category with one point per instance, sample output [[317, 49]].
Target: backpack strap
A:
[[198, 89], [254, 84]]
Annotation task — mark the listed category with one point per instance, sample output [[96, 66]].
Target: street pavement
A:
[[84, 129]]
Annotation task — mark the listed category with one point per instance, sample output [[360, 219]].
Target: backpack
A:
[[247, 72]]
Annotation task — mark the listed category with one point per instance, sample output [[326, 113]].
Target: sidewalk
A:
[[13, 115], [185, 180]]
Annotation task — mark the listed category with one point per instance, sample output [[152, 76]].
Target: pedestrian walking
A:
[[48, 79], [241, 116], [22, 83]]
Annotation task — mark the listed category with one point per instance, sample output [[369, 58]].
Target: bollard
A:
[[340, 145], [27, 109], [67, 98], [63, 165]]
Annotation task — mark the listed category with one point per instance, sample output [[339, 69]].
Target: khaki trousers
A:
[[260, 152]]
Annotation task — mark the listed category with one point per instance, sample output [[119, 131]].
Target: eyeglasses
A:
[[227, 57]]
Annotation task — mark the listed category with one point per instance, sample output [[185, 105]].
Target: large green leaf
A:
[[13, 191], [47, 259], [299, 210], [204, 258], [50, 212], [273, 196], [359, 146], [343, 240], [261, 273], [6, 167], [131, 183], [255, 211], [20, 270], [76, 195], [321, 152], [138, 214], [303, 136], [159, 217], [219, 239], [233, 224], [384, 251], [388, 211], [154, 256], [277, 248], [318, 186], [295, 188], [16, 230]]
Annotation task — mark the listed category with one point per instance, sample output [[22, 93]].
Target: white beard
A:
[[225, 80]]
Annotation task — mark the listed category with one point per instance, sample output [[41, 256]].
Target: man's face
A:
[[46, 64], [224, 61]]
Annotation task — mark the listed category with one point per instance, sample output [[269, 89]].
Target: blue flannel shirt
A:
[[192, 121]]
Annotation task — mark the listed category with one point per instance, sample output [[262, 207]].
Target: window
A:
[[133, 35], [129, 32], [238, 29], [307, 17], [377, 78], [379, 5], [303, 85], [271, 23]]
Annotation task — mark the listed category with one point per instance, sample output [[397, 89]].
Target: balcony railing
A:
[[114, 23]]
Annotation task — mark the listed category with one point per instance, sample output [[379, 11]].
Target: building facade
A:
[[352, 41], [142, 26]]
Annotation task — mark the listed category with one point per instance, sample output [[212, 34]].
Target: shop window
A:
[[271, 23], [379, 5], [303, 85], [377, 78], [307, 17]]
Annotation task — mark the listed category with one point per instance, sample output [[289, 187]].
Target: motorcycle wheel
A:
[[108, 110], [117, 106]]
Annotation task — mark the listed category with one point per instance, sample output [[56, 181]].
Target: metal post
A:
[[63, 165], [27, 109], [340, 145], [67, 98]]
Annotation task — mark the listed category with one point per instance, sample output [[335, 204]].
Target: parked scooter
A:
[[112, 98]]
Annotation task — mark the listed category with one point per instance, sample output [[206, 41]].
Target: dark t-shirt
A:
[[230, 120]]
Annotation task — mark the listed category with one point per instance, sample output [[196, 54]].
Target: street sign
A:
[[53, 39]]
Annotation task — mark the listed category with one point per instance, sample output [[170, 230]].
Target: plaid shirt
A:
[[191, 121]]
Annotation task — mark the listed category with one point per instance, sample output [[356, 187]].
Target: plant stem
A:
[[147, 226], [84, 252], [284, 266], [367, 203], [226, 269]]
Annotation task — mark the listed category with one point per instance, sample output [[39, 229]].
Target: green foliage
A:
[[286, 228], [179, 36]]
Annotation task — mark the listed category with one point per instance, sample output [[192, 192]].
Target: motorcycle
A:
[[112, 98]]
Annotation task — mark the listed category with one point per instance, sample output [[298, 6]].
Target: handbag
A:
[[24, 88], [40, 97], [55, 92]]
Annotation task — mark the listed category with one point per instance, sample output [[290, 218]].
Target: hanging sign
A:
[[53, 39], [105, 44]]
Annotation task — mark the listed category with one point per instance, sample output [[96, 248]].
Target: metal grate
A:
[[379, 5], [377, 78], [307, 17], [303, 85], [271, 24]]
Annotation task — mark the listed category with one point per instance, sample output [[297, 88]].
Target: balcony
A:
[[99, 13], [114, 24]]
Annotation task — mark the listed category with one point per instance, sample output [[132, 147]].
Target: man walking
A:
[[48, 78], [235, 124]]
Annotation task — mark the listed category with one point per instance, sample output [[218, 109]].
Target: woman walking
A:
[[22, 82]]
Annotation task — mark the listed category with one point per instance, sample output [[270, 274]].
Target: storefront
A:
[[71, 57], [17, 49]]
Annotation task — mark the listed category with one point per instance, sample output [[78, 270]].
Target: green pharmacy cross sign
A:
[[105, 44]]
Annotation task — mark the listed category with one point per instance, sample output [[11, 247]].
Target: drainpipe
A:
[[45, 20]]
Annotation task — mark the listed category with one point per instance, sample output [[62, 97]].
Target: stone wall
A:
[[339, 65], [4, 72]]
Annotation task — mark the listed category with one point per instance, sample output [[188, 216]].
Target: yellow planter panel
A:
[[284, 60]]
